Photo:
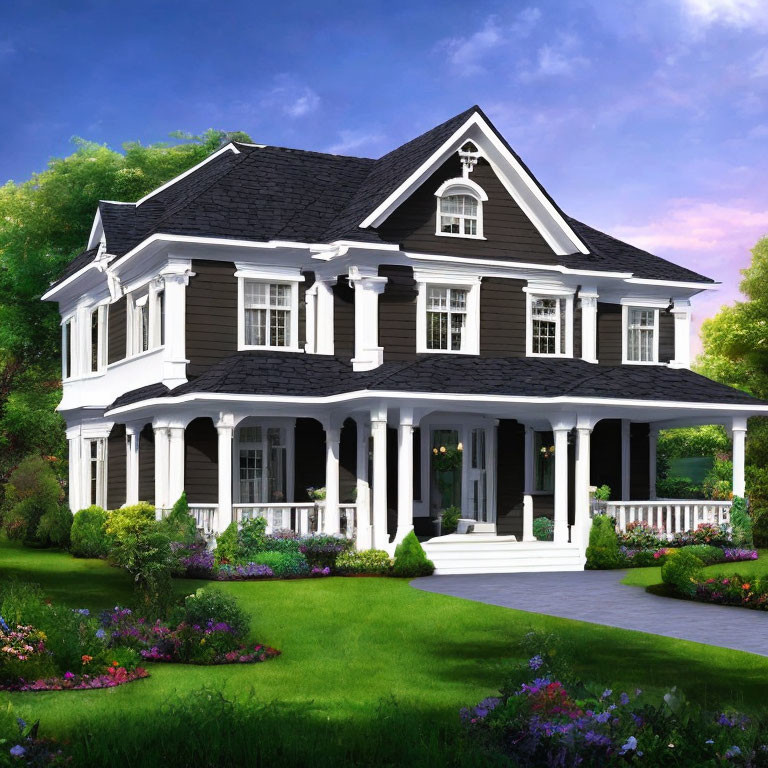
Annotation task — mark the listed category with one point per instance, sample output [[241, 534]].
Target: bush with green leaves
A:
[[708, 554], [54, 527], [411, 559], [677, 488], [228, 546], [88, 537], [253, 534], [178, 524], [449, 520], [741, 523], [211, 604], [682, 570], [368, 562], [129, 520], [543, 528], [33, 492], [322, 550], [603, 549], [283, 564], [603, 493]]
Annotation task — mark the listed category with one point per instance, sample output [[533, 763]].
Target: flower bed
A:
[[81, 682], [733, 590]]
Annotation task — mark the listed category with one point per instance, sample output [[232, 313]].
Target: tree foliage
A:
[[44, 223]]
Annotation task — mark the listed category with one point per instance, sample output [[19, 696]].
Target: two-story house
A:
[[424, 330]]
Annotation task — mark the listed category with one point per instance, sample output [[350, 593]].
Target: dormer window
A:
[[460, 209]]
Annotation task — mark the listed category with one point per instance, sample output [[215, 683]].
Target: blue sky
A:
[[646, 118]]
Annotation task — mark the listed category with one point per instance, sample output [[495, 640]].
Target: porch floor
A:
[[599, 598]]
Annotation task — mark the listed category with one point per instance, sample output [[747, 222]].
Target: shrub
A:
[[603, 493], [717, 483], [641, 558], [54, 527], [283, 564], [603, 549], [211, 604], [253, 535], [708, 554], [682, 570], [372, 562], [449, 520], [677, 488], [282, 541], [179, 525], [322, 551], [759, 523], [228, 547], [705, 533], [88, 537], [741, 523], [129, 520], [543, 528], [411, 559], [32, 491]]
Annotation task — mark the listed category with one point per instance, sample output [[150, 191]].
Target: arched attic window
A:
[[460, 202]]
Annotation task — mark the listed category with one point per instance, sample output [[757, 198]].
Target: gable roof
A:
[[263, 193]]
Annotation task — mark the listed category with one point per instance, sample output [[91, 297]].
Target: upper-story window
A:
[[460, 209], [549, 324], [268, 314], [67, 356], [97, 339], [146, 318], [641, 334], [447, 316]]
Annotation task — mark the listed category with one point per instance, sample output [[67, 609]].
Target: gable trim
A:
[[97, 231], [227, 148], [409, 185]]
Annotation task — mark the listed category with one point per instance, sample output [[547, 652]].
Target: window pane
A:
[[144, 327], [437, 298], [544, 314], [67, 349], [458, 300], [543, 461], [437, 330], [255, 293], [256, 326], [280, 295], [279, 329], [95, 340], [457, 330], [450, 224], [250, 434], [250, 475]]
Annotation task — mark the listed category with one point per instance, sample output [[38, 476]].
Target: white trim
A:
[[97, 231], [466, 188], [268, 278], [471, 337], [462, 186], [227, 148], [626, 306]]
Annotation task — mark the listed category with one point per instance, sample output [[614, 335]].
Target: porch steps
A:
[[487, 553]]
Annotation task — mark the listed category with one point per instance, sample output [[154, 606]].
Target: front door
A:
[[477, 477], [445, 470]]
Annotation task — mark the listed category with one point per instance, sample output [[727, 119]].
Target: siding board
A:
[[116, 469], [608, 333], [397, 313], [147, 464], [343, 318], [666, 336], [502, 317], [201, 461], [117, 330]]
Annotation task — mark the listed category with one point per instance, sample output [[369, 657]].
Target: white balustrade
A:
[[669, 516], [303, 518], [205, 517]]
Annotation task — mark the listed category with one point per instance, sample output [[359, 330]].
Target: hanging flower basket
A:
[[446, 459]]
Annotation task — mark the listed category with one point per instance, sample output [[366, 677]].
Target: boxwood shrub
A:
[[88, 537], [370, 562], [682, 570]]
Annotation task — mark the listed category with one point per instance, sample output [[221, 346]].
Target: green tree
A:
[[44, 223]]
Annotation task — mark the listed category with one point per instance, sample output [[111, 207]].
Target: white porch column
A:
[[161, 467], [560, 431], [175, 276], [175, 464], [582, 483], [332, 437], [363, 496], [739, 432], [132, 432], [588, 298], [368, 285], [653, 439], [379, 434], [324, 315], [310, 316], [225, 428], [528, 485], [625, 460], [681, 309], [404, 475], [74, 444]]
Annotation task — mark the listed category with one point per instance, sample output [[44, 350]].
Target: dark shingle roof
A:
[[274, 193], [81, 260], [301, 375]]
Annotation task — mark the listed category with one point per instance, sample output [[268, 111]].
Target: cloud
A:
[[353, 141], [291, 98], [739, 14], [759, 62], [466, 54], [560, 60]]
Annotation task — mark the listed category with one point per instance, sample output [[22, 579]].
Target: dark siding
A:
[[348, 461], [608, 333], [508, 231], [116, 484], [509, 478], [397, 313], [502, 317], [201, 461], [211, 314], [309, 458], [605, 456], [343, 318], [544, 505], [666, 336], [416, 464], [147, 464], [639, 475], [392, 473], [309, 280], [117, 328], [576, 329]]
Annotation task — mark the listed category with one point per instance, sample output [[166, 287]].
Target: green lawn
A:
[[349, 644]]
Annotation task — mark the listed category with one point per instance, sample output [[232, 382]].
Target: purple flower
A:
[[536, 662], [3, 625], [606, 693], [68, 676], [18, 751], [734, 751], [624, 699], [100, 633], [629, 746]]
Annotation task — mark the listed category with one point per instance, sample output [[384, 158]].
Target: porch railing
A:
[[205, 517], [303, 518], [669, 516]]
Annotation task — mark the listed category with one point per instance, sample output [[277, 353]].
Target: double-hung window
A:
[[550, 319], [97, 339], [446, 318], [641, 341], [267, 313], [97, 471], [459, 215], [67, 351]]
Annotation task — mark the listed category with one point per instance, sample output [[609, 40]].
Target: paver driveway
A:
[[600, 598]]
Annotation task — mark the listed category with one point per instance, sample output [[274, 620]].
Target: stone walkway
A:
[[600, 598]]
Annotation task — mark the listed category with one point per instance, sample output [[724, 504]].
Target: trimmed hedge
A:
[[88, 537]]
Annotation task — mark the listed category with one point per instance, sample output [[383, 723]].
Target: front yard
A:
[[361, 657]]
